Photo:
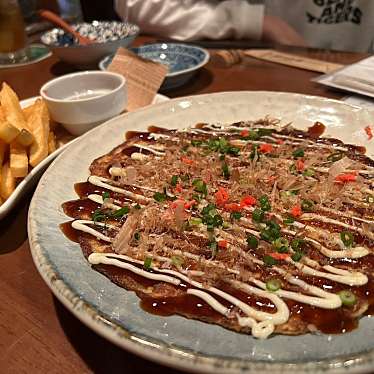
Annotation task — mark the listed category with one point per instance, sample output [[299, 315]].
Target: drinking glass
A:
[[12, 33]]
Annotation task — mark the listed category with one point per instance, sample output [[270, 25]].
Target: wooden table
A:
[[37, 333]]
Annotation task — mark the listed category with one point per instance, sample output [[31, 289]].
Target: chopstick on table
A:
[[289, 59]]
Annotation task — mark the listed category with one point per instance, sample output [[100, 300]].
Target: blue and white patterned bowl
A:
[[183, 61], [108, 36]]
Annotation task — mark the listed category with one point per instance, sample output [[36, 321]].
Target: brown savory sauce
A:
[[71, 233], [316, 130]]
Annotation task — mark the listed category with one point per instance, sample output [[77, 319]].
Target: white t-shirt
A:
[[332, 24]]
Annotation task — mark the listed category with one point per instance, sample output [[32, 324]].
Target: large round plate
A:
[[175, 341]]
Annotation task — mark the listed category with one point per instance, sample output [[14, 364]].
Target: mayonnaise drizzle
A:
[[84, 225], [281, 316], [156, 151], [102, 182]]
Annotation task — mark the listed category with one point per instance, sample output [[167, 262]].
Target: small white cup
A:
[[81, 101]]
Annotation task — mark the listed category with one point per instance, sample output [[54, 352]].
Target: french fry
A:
[[3, 148], [25, 138], [11, 107], [8, 132], [8, 182], [27, 111], [18, 161], [51, 142], [39, 124]]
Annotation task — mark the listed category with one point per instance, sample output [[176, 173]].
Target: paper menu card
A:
[[358, 78], [143, 77]]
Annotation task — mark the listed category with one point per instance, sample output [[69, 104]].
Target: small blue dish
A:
[[183, 61]]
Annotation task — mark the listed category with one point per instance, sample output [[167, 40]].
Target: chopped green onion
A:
[[196, 197], [233, 151], [370, 199], [174, 180], [195, 221], [254, 153], [296, 243], [273, 285], [271, 232], [147, 263], [98, 215], [281, 245], [267, 235], [209, 209], [252, 241], [217, 220], [293, 169], [225, 171], [264, 203], [222, 157], [235, 215], [119, 213], [347, 238], [137, 207], [177, 261], [264, 132], [200, 186], [347, 297], [269, 261], [289, 220], [136, 236], [196, 143], [308, 173], [298, 153], [159, 197], [336, 156], [106, 195], [226, 225], [297, 256], [307, 205], [258, 215]]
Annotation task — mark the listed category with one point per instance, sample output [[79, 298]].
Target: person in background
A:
[[329, 24]]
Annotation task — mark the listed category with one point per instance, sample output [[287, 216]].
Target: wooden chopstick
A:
[[289, 59]]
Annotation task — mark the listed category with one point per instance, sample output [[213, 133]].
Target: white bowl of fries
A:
[[27, 145], [81, 101]]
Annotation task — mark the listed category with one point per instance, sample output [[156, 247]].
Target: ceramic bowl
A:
[[109, 36], [183, 61], [81, 101]]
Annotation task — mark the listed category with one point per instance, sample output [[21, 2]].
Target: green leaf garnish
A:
[[147, 263], [298, 153], [174, 180]]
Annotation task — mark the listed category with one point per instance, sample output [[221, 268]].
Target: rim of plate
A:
[[176, 73], [47, 54], [159, 351]]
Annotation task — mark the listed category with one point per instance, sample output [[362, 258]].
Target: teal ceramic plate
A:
[[34, 53], [191, 345]]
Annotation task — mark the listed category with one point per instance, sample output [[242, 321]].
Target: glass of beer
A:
[[12, 33]]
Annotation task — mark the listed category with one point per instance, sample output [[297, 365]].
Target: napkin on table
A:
[[143, 77], [358, 77]]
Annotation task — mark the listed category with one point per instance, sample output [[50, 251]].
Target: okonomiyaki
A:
[[258, 228]]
